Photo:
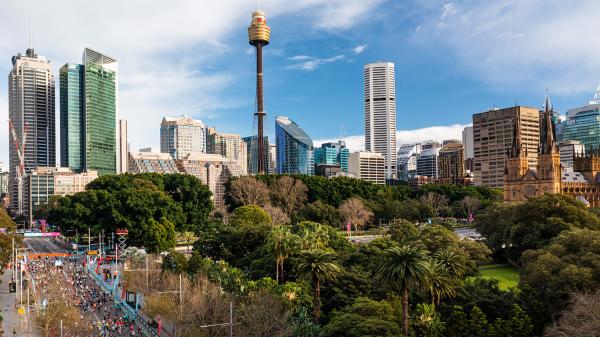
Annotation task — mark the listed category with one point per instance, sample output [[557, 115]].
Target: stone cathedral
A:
[[521, 183]]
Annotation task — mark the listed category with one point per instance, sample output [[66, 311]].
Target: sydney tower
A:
[[259, 35]]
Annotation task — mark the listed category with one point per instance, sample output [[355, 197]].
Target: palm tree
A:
[[283, 244], [451, 262], [187, 237], [317, 265], [405, 267], [439, 283]]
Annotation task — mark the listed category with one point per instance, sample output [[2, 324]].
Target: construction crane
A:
[[20, 169]]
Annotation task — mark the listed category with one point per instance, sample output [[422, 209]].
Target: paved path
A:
[[12, 320]]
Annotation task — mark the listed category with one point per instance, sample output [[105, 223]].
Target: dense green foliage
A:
[[516, 228], [418, 276], [387, 202], [364, 318], [150, 206], [6, 238]]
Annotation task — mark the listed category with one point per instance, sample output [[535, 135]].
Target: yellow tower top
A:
[[259, 32]]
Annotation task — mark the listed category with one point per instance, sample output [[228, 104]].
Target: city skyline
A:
[[327, 51]]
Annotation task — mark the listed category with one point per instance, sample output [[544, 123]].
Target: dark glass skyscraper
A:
[[31, 111], [89, 111], [294, 148], [583, 124], [251, 150]]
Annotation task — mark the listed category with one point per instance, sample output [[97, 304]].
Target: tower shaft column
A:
[[260, 109]]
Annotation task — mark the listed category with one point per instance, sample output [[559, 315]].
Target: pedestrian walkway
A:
[[13, 321]]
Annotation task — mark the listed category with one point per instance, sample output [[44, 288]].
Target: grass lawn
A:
[[506, 275]]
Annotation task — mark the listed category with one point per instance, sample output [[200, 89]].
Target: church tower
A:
[[516, 164], [548, 168]]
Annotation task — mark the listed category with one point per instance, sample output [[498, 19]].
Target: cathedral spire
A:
[[516, 145], [547, 128]]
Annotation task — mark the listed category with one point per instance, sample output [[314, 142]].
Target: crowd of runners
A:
[[100, 313]]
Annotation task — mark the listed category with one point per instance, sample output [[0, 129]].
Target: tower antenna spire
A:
[[30, 37], [596, 98]]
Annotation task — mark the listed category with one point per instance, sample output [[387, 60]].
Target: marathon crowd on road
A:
[[99, 313]]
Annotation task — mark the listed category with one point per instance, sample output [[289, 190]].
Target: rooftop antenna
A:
[[30, 37], [258, 4], [596, 99], [342, 132]]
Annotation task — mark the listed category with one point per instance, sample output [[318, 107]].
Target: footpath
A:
[[23, 325]]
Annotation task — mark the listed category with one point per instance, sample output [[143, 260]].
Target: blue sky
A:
[[453, 59]]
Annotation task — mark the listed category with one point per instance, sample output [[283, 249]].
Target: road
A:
[[42, 246]]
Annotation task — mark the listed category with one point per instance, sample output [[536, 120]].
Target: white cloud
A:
[[309, 63], [359, 49], [448, 9], [534, 43], [439, 133], [164, 52]]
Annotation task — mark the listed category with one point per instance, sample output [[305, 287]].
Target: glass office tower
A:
[[100, 79], [252, 157], [334, 153], [294, 148], [71, 116], [583, 124], [89, 112]]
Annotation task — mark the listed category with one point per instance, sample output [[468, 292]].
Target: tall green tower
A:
[[89, 114], [71, 116]]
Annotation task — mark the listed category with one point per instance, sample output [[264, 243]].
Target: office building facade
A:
[[451, 164], [3, 180], [72, 116], [369, 166], [229, 146], [252, 152], [100, 88], [427, 162], [407, 161], [31, 110], [333, 153], [568, 150], [467, 141], [45, 182], [123, 147], [89, 110], [492, 137], [151, 161], [214, 170], [583, 124], [180, 136], [272, 162], [294, 148], [380, 113]]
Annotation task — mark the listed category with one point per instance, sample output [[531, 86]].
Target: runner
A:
[[99, 310]]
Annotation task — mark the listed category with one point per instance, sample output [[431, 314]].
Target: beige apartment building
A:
[[214, 170], [369, 166], [492, 137]]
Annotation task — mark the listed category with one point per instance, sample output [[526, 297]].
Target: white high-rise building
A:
[[123, 147], [380, 113], [180, 136], [467, 140], [31, 110]]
